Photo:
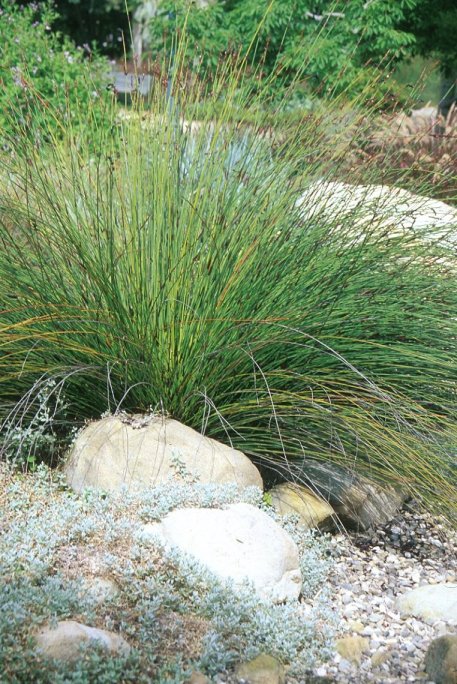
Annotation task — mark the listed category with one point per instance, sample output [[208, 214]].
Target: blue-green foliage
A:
[[48, 526]]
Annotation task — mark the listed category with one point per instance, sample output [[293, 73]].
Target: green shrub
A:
[[174, 270], [38, 66]]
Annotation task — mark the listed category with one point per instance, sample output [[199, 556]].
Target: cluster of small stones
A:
[[377, 643]]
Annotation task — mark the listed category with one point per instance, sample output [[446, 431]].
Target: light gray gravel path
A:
[[368, 576]]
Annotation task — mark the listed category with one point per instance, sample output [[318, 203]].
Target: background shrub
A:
[[41, 66], [324, 49]]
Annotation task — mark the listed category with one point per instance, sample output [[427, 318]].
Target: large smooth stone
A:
[[143, 451], [65, 641], [431, 602], [292, 499], [381, 207], [238, 543], [441, 660]]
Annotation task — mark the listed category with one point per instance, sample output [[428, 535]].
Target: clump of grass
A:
[[172, 268]]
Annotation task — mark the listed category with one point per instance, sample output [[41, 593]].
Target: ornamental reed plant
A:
[[159, 262]]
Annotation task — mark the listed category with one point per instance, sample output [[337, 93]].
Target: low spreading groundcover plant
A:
[[176, 615], [157, 263]]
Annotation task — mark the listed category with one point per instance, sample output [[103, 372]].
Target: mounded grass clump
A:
[[155, 262]]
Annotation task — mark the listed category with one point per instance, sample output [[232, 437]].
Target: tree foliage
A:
[[104, 22], [434, 25], [328, 45], [39, 64]]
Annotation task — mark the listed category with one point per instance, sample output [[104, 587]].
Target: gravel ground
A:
[[370, 572]]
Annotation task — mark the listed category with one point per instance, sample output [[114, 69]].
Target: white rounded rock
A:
[[143, 451], [382, 206], [431, 602], [238, 543]]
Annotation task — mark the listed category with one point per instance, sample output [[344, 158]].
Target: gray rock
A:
[[239, 543], [142, 451], [64, 642], [431, 602], [359, 503], [441, 660]]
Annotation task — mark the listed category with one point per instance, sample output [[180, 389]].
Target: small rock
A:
[[292, 499], [65, 640], [321, 672], [431, 602], [441, 660], [345, 666], [262, 670], [350, 609], [198, 678], [409, 647], [351, 648]]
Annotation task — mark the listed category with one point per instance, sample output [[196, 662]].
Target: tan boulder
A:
[[143, 451], [65, 640], [292, 499]]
